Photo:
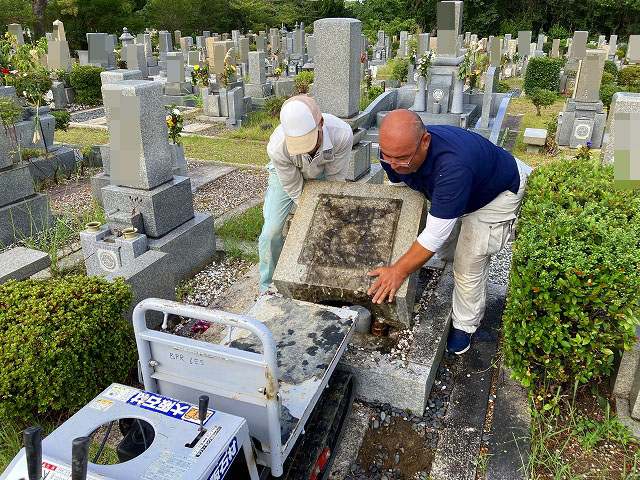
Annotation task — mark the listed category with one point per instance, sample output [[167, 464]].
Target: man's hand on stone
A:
[[388, 282]]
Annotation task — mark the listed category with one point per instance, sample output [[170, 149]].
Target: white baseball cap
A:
[[300, 118]]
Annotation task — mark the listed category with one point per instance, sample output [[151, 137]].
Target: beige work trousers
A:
[[475, 237]]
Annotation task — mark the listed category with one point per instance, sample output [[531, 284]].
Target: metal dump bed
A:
[[272, 372]]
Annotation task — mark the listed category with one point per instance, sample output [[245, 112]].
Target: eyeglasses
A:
[[401, 164]]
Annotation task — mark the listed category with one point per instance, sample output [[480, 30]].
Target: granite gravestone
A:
[[337, 66], [622, 124], [633, 49], [340, 232]]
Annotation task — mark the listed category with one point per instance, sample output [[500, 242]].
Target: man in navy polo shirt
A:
[[475, 189]]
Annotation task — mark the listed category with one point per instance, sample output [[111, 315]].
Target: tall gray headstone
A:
[[507, 38], [257, 73], [555, 48], [337, 65], [175, 67], [136, 58], [98, 53], [15, 29], [164, 42], [633, 50], [524, 44], [579, 44], [490, 86], [449, 18], [494, 51], [613, 46], [423, 43], [139, 150]]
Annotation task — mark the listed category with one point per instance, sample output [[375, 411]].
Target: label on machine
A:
[[168, 466], [61, 471], [167, 406]]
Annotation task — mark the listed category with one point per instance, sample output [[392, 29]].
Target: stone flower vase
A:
[[419, 104], [436, 107], [177, 159]]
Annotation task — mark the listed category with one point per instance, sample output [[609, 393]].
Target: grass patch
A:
[[11, 431], [580, 437], [248, 152], [228, 150], [246, 227], [530, 119], [252, 130], [240, 234], [86, 137]]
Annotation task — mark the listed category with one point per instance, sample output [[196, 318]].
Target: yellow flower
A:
[[196, 67], [233, 68]]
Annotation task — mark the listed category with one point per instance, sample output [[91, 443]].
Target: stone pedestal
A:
[[419, 104], [581, 122], [173, 241], [372, 225]]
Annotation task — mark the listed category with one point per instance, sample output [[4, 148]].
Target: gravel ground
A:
[[211, 282], [84, 116], [501, 265], [230, 190], [77, 107], [204, 289]]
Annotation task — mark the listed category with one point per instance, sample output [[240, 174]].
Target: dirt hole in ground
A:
[[381, 445]]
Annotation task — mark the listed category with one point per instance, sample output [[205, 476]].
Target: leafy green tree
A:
[[541, 97]]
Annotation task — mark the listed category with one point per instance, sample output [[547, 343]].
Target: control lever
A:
[[203, 405], [33, 450], [79, 458]]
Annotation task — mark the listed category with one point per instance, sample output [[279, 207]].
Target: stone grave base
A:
[[97, 182], [180, 100], [375, 176], [208, 118], [191, 246], [24, 218], [64, 161], [405, 385]]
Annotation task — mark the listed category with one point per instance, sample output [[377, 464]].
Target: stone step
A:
[[457, 454], [20, 263]]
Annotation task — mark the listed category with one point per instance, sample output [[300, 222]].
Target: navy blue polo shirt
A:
[[463, 172]]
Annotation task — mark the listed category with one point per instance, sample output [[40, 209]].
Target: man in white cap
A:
[[306, 145]]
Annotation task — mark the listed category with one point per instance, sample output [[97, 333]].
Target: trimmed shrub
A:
[[63, 118], [273, 105], [400, 69], [503, 87], [542, 98], [61, 342], [302, 81], [611, 67], [574, 287], [374, 92], [542, 72], [607, 91], [86, 81], [607, 79], [629, 77]]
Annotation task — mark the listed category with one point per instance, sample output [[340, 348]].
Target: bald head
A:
[[400, 127]]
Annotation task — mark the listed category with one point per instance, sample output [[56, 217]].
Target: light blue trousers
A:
[[277, 205]]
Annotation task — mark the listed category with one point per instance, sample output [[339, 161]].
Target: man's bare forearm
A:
[[415, 257]]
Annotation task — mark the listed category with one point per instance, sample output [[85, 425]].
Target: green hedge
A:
[[542, 72], [574, 289], [302, 81], [607, 91], [630, 77], [61, 342], [85, 79], [63, 118], [611, 67]]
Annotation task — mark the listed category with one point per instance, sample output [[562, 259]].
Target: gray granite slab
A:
[[20, 263]]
